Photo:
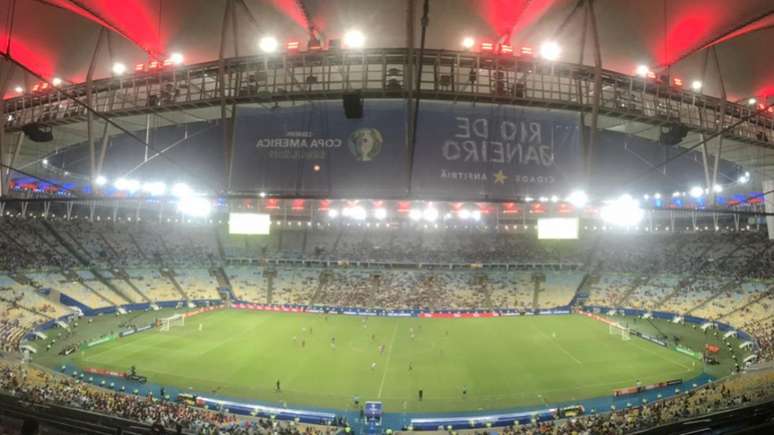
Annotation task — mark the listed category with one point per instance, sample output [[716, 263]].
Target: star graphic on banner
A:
[[500, 177]]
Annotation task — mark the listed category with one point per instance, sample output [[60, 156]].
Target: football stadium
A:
[[461, 217]]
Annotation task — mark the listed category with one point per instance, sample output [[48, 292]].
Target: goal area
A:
[[617, 329], [169, 322]]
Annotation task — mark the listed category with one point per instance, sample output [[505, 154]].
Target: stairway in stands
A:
[[170, 275]]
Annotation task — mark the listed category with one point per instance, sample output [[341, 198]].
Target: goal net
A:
[[617, 329], [168, 322]]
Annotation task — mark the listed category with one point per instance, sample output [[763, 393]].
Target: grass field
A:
[[501, 362]]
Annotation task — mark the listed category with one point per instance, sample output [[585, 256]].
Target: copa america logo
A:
[[365, 144]]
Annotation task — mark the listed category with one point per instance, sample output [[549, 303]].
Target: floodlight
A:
[[18, 89], [642, 70], [717, 188], [752, 101], [354, 39], [380, 213], [476, 215], [176, 58], [430, 214], [357, 213], [155, 188], [181, 190], [100, 180], [696, 192], [119, 68], [578, 198], [464, 214], [194, 206], [333, 213], [550, 50], [415, 214], [56, 81], [696, 85], [268, 44], [624, 211], [468, 42]]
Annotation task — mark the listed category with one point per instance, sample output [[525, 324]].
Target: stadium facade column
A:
[[90, 103], [227, 148], [589, 151], [721, 126], [6, 70]]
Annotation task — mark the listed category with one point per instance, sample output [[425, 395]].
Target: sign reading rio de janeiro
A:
[[461, 150]]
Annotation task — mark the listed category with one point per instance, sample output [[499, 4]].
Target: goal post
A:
[[169, 322], [617, 329]]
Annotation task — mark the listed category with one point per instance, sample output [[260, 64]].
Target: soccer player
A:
[[411, 367], [553, 334], [303, 343], [277, 387], [464, 391], [420, 394], [381, 349], [373, 365], [201, 327]]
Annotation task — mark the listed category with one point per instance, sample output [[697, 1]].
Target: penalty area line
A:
[[387, 361]]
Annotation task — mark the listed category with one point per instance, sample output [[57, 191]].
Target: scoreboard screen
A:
[[249, 223], [558, 228]]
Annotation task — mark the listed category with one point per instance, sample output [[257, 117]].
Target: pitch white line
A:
[[556, 343], [387, 361]]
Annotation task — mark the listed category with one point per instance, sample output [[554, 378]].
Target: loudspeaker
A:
[[673, 135], [38, 133], [353, 105]]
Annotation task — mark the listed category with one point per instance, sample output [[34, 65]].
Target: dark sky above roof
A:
[[57, 37]]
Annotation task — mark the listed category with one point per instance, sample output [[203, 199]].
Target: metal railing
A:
[[381, 73]]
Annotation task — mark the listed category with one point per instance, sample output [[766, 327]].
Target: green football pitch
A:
[[499, 362]]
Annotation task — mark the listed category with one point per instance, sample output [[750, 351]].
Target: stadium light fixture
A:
[[176, 58], [100, 180], [468, 42], [642, 70], [657, 195], [119, 68], [550, 50], [333, 213], [354, 39], [752, 101], [476, 215], [18, 89], [357, 213], [380, 213], [415, 214], [181, 190], [262, 194], [578, 198], [696, 192], [717, 188], [464, 214], [696, 85], [430, 214], [624, 211], [154, 188], [56, 81], [268, 44], [194, 206]]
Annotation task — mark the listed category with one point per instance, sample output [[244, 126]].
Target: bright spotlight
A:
[[642, 70], [717, 188], [380, 213], [624, 211], [18, 89], [468, 42], [154, 188], [194, 206], [354, 39], [181, 190], [752, 101], [100, 180], [124, 184], [464, 214], [476, 215], [578, 198], [176, 58], [56, 81], [696, 192], [657, 195], [696, 85], [119, 68], [45, 162], [675, 194], [357, 213], [430, 214], [744, 179], [333, 213], [415, 214], [268, 44], [550, 50]]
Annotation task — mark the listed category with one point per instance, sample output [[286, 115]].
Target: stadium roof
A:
[[57, 38]]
